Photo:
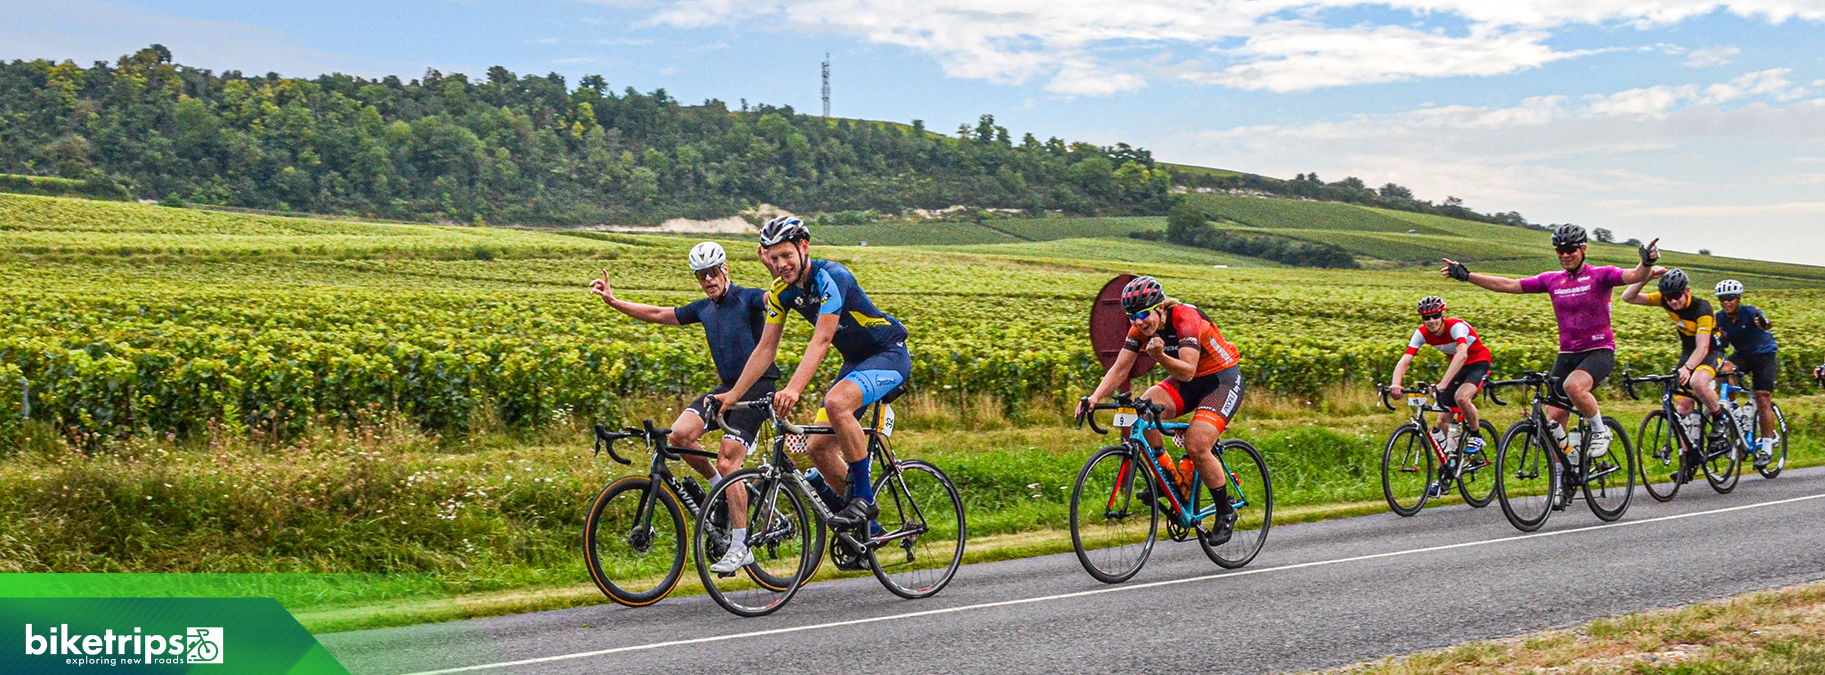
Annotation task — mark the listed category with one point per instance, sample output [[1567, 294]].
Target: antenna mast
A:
[[826, 84]]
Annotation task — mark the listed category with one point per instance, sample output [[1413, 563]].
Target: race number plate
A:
[[1124, 418], [886, 427], [1415, 401]]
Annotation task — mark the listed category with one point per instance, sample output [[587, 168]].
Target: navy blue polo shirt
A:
[[732, 325]]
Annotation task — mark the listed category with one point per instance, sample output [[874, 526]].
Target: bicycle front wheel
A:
[[1251, 492], [1526, 477], [1609, 481], [922, 512], [1406, 470], [635, 555], [1723, 470], [1476, 480], [1778, 460], [1661, 457], [1112, 529], [778, 533]]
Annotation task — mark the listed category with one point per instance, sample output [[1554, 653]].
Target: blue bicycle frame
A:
[[1186, 517], [1727, 393]]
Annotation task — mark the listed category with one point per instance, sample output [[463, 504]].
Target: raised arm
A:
[[1632, 294], [648, 313], [1646, 269], [1457, 270]]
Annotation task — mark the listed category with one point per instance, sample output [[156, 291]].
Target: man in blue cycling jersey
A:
[[872, 343], [1753, 351]]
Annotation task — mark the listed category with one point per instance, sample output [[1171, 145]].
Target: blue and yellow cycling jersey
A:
[[863, 331]]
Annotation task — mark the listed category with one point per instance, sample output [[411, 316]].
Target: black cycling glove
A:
[[1459, 271], [1649, 256]]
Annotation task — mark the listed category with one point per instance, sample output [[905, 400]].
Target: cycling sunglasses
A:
[[1568, 248], [1143, 314], [1729, 298], [1434, 315]]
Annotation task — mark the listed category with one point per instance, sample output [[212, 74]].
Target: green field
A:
[[223, 392]]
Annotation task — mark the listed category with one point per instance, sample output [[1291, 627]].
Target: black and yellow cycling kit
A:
[[1694, 320]]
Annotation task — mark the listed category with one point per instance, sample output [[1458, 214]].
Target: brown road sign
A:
[[1109, 328]]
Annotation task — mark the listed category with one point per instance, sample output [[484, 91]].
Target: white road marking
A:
[[1100, 591]]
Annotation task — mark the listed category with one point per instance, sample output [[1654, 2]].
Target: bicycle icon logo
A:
[[204, 645]]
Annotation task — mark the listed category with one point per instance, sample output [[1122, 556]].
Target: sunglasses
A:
[[1432, 316], [1729, 298], [1568, 249], [1143, 314]]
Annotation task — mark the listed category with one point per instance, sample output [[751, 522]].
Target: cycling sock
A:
[[860, 487], [715, 478], [1219, 497], [738, 538]]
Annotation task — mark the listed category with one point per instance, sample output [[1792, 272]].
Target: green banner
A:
[[158, 635]]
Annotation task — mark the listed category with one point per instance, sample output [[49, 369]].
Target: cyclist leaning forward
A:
[[1700, 355], [1745, 330], [732, 318], [1470, 363], [1581, 305], [872, 343], [1202, 373]]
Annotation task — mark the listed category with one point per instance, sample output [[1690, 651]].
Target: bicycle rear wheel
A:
[[1661, 457], [1112, 530], [1526, 477], [1406, 470], [1778, 461], [1476, 480], [1251, 491], [634, 558], [1723, 470], [917, 498], [1609, 481], [780, 534]]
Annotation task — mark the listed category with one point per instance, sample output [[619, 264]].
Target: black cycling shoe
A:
[[1145, 494], [857, 513], [1221, 530]]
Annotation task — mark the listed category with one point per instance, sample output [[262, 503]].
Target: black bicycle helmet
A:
[[1569, 235], [1142, 293], [783, 228], [1431, 304], [1674, 284]]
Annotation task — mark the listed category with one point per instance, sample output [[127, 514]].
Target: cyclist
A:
[[1581, 306], [1745, 329], [1700, 354], [1202, 374], [872, 343], [732, 318], [1470, 362]]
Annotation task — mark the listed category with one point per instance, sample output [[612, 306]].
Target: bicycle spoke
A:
[[1112, 529]]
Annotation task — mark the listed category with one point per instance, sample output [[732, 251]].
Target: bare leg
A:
[[1465, 397], [686, 431], [1764, 407], [1200, 439], [728, 460]]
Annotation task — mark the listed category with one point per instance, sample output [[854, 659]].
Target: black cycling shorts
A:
[[1471, 373], [745, 421], [1760, 367], [1597, 362], [1216, 396], [1714, 361]]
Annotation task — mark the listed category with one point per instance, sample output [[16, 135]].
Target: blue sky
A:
[[1699, 122]]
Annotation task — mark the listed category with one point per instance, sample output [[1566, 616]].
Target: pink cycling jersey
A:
[[1581, 303]]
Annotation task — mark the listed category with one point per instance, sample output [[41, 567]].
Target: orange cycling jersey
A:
[[1187, 326]]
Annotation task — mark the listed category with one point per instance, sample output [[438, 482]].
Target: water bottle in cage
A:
[[1745, 419]]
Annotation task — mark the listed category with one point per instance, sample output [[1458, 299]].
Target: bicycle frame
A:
[[1670, 391], [1184, 509], [1426, 403], [658, 470]]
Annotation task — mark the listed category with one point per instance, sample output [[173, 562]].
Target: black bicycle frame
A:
[[658, 471]]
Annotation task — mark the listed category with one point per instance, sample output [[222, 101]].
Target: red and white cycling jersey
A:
[[1457, 332]]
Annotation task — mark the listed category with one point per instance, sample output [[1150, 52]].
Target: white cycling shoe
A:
[[734, 559], [1600, 445]]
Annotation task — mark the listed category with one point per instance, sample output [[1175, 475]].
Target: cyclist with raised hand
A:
[[733, 318], [1700, 355], [1581, 305], [1745, 329], [1470, 363], [871, 342], [1202, 374]]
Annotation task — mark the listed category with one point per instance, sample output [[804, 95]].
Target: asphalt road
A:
[[1319, 595]]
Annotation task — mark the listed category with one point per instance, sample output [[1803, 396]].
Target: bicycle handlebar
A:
[[766, 404], [605, 440], [1142, 406]]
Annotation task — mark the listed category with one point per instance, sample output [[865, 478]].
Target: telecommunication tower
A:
[[826, 84]]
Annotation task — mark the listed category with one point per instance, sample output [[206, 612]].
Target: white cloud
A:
[[1711, 56], [1096, 47], [1657, 101]]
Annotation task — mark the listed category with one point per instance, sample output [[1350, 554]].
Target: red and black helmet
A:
[[1431, 304], [1142, 293]]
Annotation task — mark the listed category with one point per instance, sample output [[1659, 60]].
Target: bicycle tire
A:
[[1724, 470], [787, 515], [1407, 470], [1659, 449], [1609, 483], [1257, 497], [937, 507], [1483, 476], [619, 501], [1778, 462], [1523, 467], [1114, 498]]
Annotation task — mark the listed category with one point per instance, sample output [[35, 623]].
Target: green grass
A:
[[904, 233], [1059, 227]]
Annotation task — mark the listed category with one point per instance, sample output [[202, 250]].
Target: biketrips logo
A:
[[110, 648]]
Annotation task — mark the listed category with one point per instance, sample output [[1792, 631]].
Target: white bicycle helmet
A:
[[1729, 287], [707, 255]]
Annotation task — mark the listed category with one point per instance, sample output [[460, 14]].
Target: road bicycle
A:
[[913, 547], [1533, 475], [1671, 450], [1416, 455], [1745, 415], [634, 538], [1113, 528]]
